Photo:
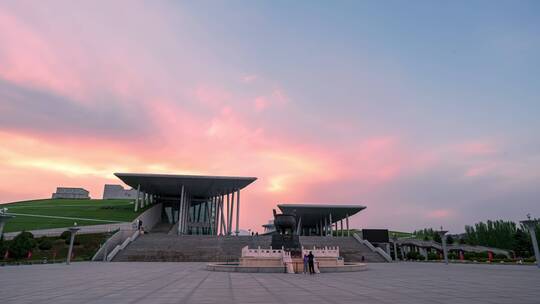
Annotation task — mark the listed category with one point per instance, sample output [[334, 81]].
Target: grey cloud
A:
[[31, 109]]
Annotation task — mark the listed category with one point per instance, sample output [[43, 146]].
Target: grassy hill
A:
[[57, 213]]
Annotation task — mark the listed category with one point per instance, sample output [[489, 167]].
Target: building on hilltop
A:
[[118, 192], [72, 193]]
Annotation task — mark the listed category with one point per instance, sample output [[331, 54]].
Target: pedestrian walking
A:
[[306, 263], [311, 258]]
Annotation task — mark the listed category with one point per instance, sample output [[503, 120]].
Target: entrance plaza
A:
[[190, 283]]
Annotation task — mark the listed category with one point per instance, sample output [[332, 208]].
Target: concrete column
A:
[[347, 222], [395, 252], [331, 225], [341, 223], [137, 198], [231, 214], [227, 216], [238, 212], [186, 213], [325, 226], [73, 231], [223, 227], [531, 226], [180, 214]]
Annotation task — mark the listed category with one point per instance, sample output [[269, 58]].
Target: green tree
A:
[[437, 238], [449, 239], [21, 244]]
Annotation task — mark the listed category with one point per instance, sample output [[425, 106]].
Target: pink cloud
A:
[[478, 148], [261, 103], [440, 214]]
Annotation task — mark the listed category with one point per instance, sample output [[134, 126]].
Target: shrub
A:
[[453, 256], [499, 256], [21, 244], [44, 243], [412, 255], [3, 247], [432, 256]]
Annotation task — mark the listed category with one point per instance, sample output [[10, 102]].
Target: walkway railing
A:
[[377, 250]]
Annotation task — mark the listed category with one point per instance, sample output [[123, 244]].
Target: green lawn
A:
[[84, 212]]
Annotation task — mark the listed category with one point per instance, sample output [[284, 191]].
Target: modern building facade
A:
[[118, 192], [192, 204], [322, 220], [71, 193]]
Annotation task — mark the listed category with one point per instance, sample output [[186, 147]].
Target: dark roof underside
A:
[[312, 214], [196, 185]]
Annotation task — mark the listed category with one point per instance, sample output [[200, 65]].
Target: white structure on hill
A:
[[72, 193], [118, 192]]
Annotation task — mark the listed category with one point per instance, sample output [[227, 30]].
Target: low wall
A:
[[150, 218], [83, 230]]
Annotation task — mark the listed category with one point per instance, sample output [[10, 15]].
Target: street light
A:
[[531, 226], [395, 238], [73, 231], [443, 239], [4, 217]]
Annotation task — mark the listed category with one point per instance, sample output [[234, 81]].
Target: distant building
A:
[[73, 193], [118, 192]]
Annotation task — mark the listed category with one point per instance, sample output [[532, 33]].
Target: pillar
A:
[[222, 215], [331, 225], [341, 223], [180, 214], [238, 212], [137, 198], [326, 226], [231, 214], [347, 222]]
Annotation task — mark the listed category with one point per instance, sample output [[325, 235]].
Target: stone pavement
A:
[[190, 283]]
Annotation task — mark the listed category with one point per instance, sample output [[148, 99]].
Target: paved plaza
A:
[[191, 283]]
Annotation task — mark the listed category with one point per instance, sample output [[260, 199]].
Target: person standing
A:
[[306, 261], [311, 263]]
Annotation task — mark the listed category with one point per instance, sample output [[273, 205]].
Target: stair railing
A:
[[377, 250]]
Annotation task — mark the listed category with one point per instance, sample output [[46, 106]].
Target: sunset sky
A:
[[427, 112]]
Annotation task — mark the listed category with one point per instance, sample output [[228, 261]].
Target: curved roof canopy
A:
[[197, 185], [312, 214]]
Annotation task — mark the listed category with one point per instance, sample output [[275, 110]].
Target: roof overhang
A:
[[312, 214], [196, 185]]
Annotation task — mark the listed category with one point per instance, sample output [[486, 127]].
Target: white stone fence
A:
[[326, 252], [330, 252], [264, 253]]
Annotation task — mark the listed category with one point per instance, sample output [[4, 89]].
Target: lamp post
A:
[[531, 226], [4, 217], [73, 231], [443, 239], [394, 238]]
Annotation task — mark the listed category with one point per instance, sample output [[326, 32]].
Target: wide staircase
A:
[[349, 248], [159, 247]]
